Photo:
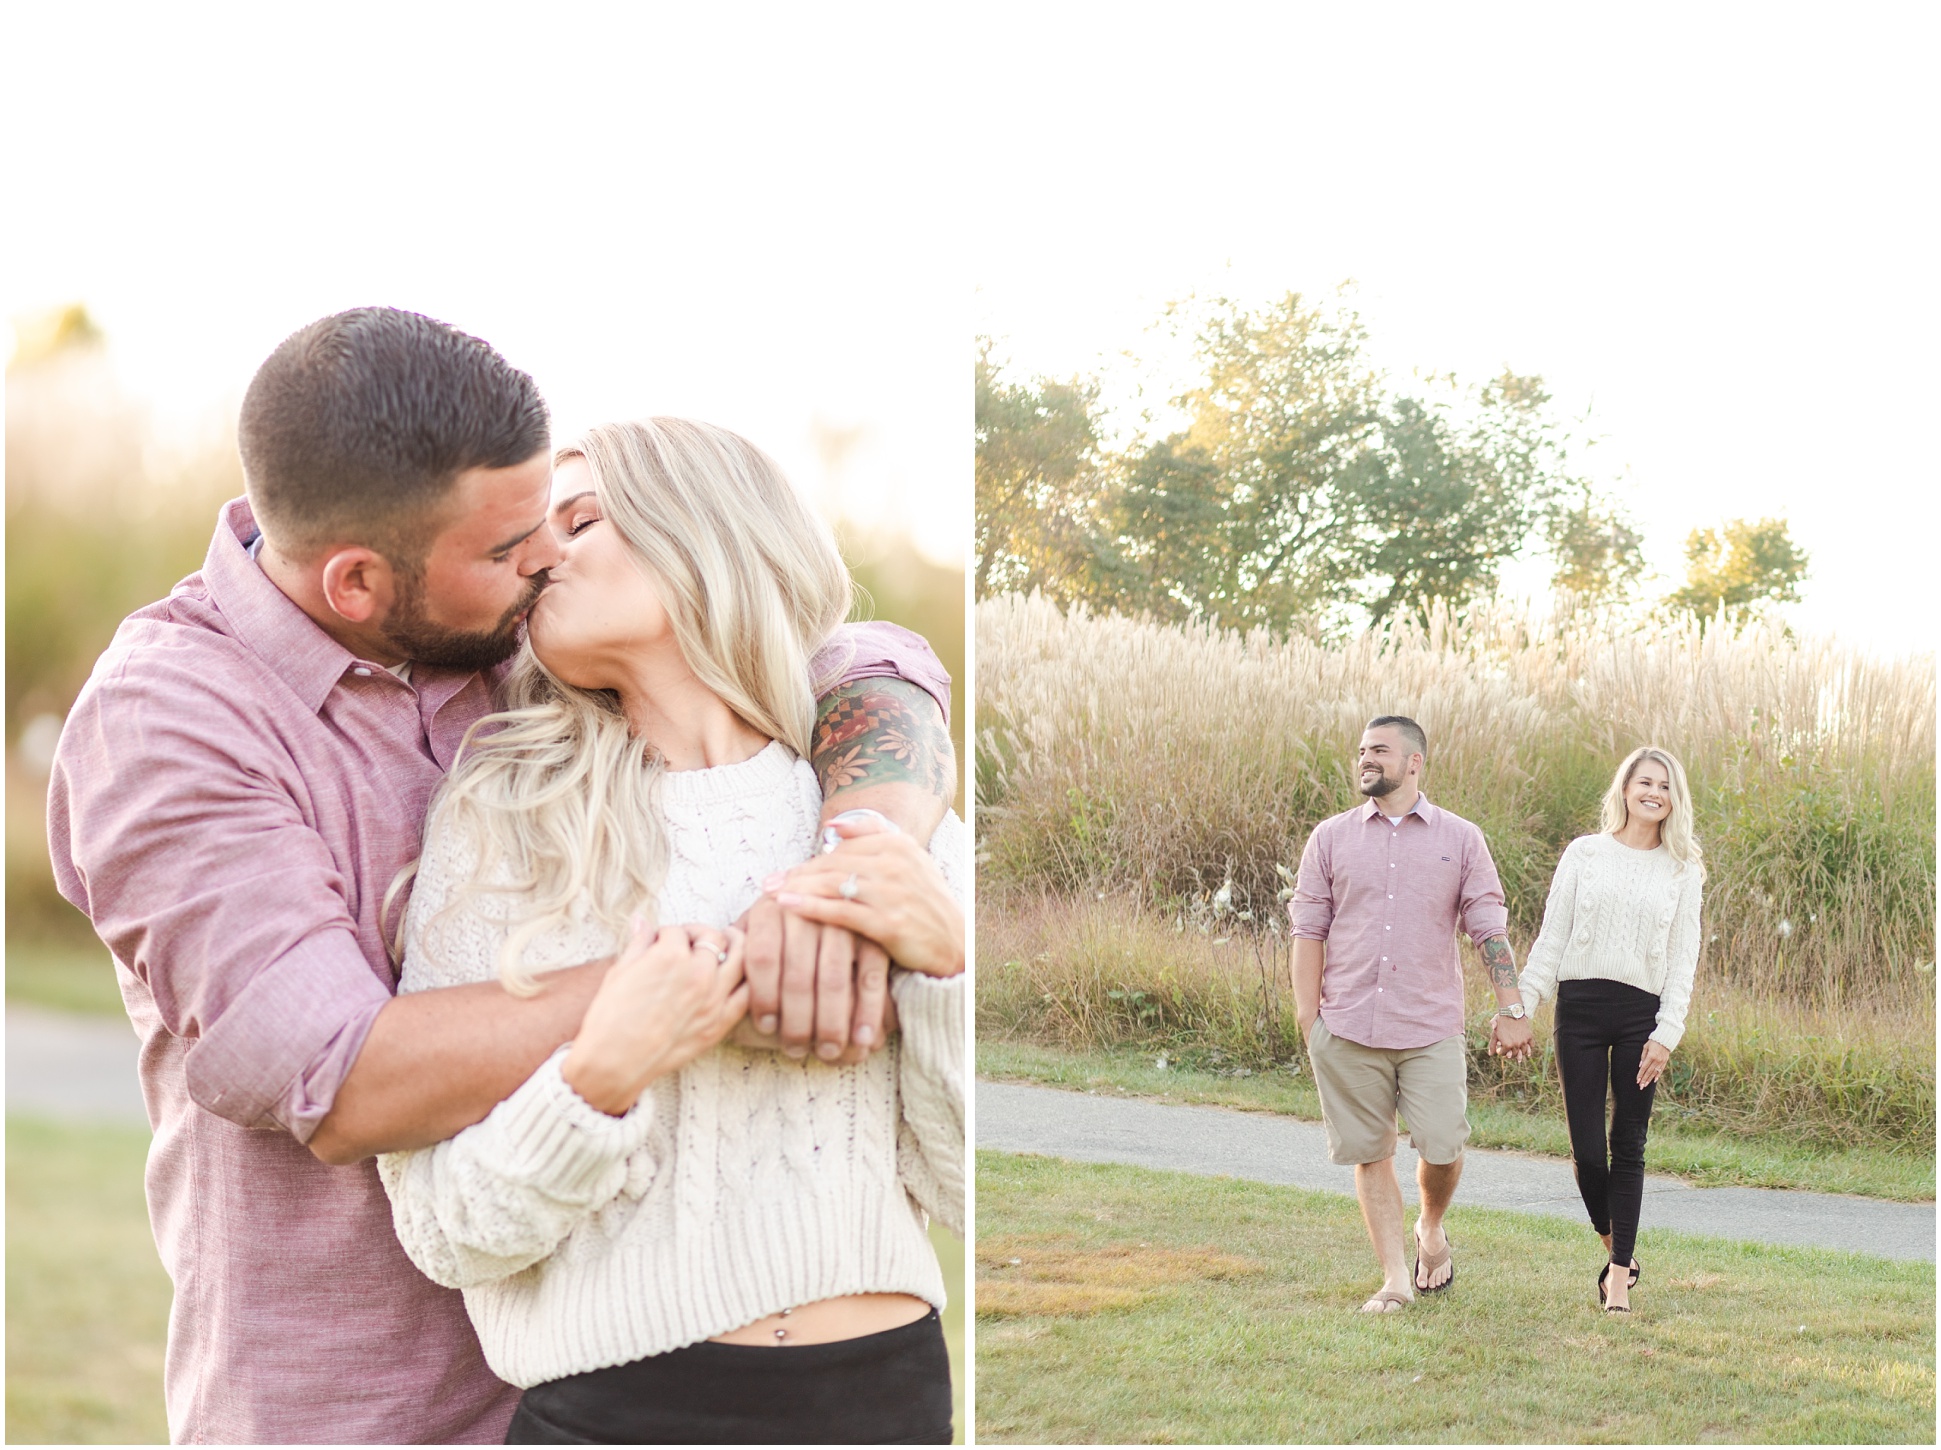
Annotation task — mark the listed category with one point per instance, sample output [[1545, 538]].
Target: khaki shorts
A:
[[1362, 1088]]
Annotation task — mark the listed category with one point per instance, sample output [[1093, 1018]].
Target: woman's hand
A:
[[670, 996], [884, 886], [1651, 1062]]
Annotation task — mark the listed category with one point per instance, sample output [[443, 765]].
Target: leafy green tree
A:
[[1448, 491], [1599, 555], [1037, 485], [1237, 516], [1300, 490], [1741, 567]]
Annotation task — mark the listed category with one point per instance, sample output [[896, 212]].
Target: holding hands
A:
[[1511, 1037], [670, 996]]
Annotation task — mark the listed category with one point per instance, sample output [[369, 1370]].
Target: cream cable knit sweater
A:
[[1622, 915], [745, 1184]]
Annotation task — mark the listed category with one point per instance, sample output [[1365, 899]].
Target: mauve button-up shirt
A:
[[233, 794], [1388, 898]]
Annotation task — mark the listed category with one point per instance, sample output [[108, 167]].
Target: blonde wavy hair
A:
[[561, 796], [1675, 831]]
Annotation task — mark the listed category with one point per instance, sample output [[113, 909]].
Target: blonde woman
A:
[[662, 1236], [1619, 944]]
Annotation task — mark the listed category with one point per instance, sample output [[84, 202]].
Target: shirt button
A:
[[1391, 896], [1378, 989], [360, 670]]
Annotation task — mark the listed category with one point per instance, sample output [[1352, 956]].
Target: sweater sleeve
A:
[[1547, 955], [930, 1083], [505, 1192], [1681, 964], [930, 1067]]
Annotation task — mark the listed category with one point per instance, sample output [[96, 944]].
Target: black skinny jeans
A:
[[887, 1388], [1600, 1034]]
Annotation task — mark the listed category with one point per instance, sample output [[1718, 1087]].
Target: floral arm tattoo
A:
[[1501, 962], [882, 732]]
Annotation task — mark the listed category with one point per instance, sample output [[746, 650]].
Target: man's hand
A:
[[1309, 959], [813, 985], [1511, 1037]]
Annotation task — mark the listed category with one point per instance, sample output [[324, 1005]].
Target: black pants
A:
[[891, 1388], [1600, 1035]]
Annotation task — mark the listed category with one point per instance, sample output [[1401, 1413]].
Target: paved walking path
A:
[[72, 1067], [75, 1068], [1268, 1148]]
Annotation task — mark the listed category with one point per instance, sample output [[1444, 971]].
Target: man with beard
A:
[[1378, 990], [235, 793]]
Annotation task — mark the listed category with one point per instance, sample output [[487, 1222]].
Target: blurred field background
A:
[[1144, 791], [106, 510]]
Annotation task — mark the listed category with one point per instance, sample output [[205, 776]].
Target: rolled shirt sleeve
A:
[[1483, 912], [202, 876], [875, 650], [1311, 909]]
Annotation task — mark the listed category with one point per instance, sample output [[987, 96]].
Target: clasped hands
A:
[[1511, 1037], [807, 966]]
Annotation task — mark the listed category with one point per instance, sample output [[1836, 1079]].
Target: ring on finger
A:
[[850, 888]]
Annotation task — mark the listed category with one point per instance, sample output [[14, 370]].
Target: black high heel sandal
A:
[[1603, 1302]]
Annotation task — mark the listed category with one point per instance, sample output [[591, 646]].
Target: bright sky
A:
[[749, 218], [1711, 226]]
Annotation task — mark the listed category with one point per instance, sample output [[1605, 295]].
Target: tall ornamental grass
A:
[[1179, 769]]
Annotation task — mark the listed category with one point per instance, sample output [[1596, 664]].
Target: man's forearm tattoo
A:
[[882, 732], [1501, 962]]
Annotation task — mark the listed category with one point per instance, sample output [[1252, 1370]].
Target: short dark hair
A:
[[357, 426], [1411, 732]]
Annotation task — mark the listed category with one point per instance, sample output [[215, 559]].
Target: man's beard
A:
[[1380, 786], [423, 642]]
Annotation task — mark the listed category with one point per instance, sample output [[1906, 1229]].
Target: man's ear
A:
[[358, 584]]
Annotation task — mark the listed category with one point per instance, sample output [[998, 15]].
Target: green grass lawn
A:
[[63, 977], [87, 1301], [1706, 1157], [1125, 1305]]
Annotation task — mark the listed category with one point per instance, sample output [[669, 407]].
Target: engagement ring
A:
[[849, 890]]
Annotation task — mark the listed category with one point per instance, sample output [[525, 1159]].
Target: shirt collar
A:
[[291, 645], [1421, 808], [289, 642]]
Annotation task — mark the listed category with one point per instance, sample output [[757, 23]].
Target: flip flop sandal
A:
[[1422, 1262], [1390, 1300]]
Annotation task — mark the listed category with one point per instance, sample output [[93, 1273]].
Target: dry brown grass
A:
[[1044, 1275]]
